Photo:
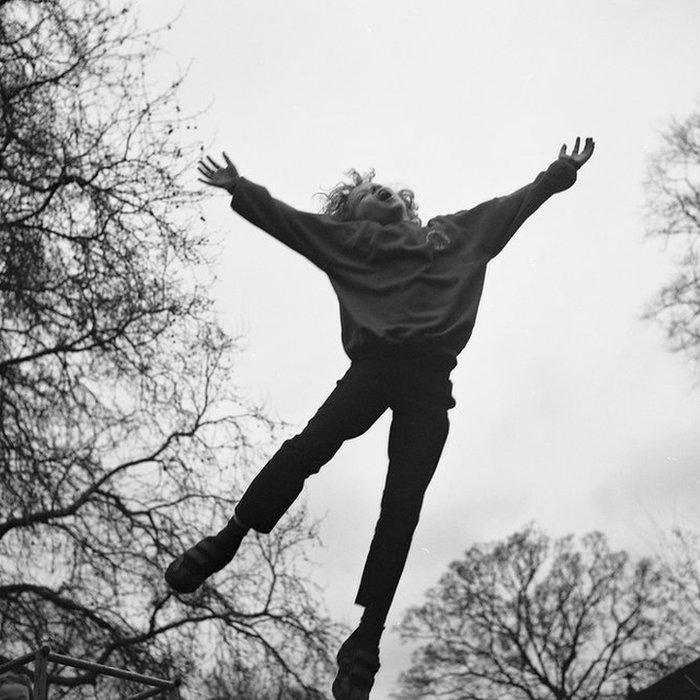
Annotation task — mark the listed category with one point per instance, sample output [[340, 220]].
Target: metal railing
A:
[[158, 686]]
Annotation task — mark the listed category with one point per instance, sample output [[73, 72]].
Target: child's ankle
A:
[[368, 637], [230, 535], [239, 523]]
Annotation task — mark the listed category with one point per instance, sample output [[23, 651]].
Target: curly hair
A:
[[337, 198]]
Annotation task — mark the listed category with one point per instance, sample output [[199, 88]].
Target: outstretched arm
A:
[[494, 222], [312, 235]]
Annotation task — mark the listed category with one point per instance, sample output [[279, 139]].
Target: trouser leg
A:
[[416, 439], [358, 400]]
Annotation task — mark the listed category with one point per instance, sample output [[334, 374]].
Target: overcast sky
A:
[[570, 410]]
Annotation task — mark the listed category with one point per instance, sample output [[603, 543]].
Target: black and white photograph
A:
[[349, 350]]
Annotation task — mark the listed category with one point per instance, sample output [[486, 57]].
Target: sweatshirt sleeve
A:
[[495, 221], [312, 235]]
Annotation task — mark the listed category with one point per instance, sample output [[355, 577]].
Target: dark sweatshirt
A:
[[403, 285]]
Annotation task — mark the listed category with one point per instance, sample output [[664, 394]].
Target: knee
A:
[[310, 450]]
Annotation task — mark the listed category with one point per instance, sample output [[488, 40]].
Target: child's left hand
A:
[[578, 159]]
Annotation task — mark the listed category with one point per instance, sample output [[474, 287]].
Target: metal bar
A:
[[19, 661], [111, 671], [40, 681], [152, 692]]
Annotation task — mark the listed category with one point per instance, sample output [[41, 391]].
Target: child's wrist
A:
[[569, 161], [231, 186]]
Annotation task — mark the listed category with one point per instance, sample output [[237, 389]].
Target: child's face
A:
[[375, 202]]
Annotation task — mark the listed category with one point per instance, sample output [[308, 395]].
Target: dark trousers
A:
[[417, 388]]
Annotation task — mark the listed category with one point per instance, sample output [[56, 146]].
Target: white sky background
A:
[[570, 409]]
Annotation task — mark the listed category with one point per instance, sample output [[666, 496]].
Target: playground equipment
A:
[[159, 687]]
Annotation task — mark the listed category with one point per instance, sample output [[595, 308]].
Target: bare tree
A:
[[679, 552], [229, 680], [122, 435], [673, 209], [534, 618]]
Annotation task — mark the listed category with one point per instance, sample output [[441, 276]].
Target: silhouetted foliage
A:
[[529, 617], [673, 209], [122, 435]]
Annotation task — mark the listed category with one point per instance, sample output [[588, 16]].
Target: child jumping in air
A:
[[408, 296]]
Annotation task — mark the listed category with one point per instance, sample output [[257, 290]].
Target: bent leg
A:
[[416, 439], [358, 400]]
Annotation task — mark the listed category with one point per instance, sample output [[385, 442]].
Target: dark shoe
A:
[[189, 571], [357, 666]]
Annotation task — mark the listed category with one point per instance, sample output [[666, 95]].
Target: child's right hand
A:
[[218, 175]]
